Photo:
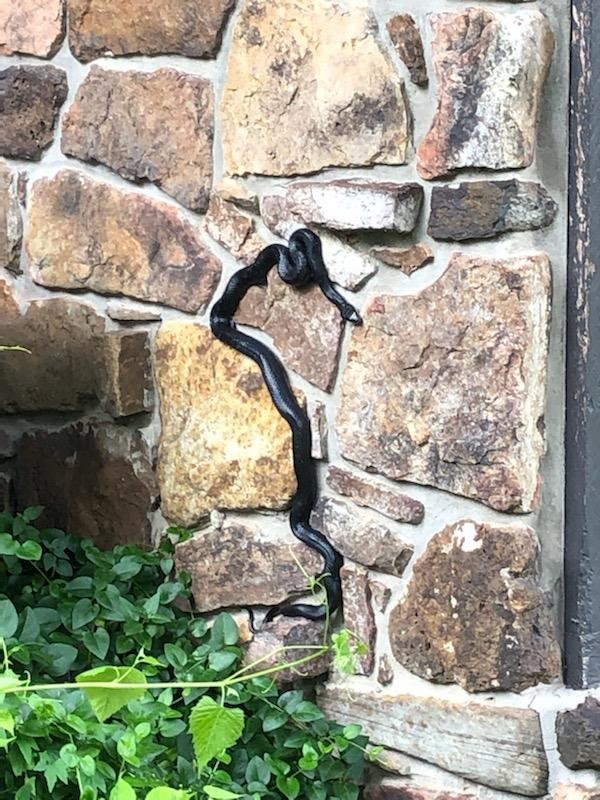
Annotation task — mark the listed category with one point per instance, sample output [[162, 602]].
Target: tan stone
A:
[[447, 387], [131, 315], [11, 227], [474, 612], [168, 141], [85, 234], [302, 636], [233, 230], [31, 27], [408, 259], [490, 68], [223, 443], [406, 38], [319, 429], [574, 791], [128, 388], [154, 27], [236, 191], [371, 494], [244, 565], [309, 86], [9, 308], [358, 613]]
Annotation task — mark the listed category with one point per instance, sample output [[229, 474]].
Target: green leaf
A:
[[290, 787], [166, 793], [221, 660], [7, 722], [62, 658], [97, 642], [68, 754], [214, 728], [32, 513], [258, 770], [31, 627], [352, 731], [307, 712], [29, 551], [274, 718], [84, 611], [9, 619], [127, 745], [127, 567], [122, 791], [8, 545], [175, 655], [10, 680], [87, 765], [107, 701], [216, 793]]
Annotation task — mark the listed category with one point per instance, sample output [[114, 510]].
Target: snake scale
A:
[[299, 264]]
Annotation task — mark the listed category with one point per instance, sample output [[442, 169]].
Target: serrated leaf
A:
[[214, 728], [216, 793], [9, 619], [107, 701]]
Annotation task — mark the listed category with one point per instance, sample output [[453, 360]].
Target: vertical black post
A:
[[582, 486]]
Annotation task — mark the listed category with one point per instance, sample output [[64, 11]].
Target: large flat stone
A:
[[31, 27], [168, 141], [578, 735], [243, 565], [447, 387], [320, 72], [11, 226], [369, 493], [491, 69], [495, 746], [30, 99], [474, 612], [223, 443], [121, 27], [93, 481], [86, 234]]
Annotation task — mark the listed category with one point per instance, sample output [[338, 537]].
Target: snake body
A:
[[299, 264]]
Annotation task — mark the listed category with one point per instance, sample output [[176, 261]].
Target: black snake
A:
[[299, 264]]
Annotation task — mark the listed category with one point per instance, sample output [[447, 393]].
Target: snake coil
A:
[[299, 264]]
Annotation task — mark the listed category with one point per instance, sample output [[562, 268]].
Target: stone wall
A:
[[149, 150]]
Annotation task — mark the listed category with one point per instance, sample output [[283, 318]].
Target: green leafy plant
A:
[[110, 691]]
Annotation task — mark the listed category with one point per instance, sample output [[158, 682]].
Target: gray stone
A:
[[578, 735], [358, 613], [371, 494], [385, 671], [317, 415], [302, 636], [11, 227]]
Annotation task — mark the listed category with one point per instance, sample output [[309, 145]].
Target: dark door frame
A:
[[582, 444]]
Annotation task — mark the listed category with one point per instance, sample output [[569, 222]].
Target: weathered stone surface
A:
[[578, 735], [352, 205], [103, 489], [317, 415], [233, 230], [369, 493], [120, 27], [406, 38], [305, 326], [447, 387], [360, 537], [223, 443], [573, 791], [128, 388], [498, 747], [168, 141], [358, 613], [385, 671], [482, 209], [391, 791], [9, 308], [30, 99], [11, 228], [237, 192], [408, 259], [242, 565], [380, 595], [345, 265], [286, 632], [490, 68], [474, 612], [85, 234], [31, 27], [320, 72], [131, 314]]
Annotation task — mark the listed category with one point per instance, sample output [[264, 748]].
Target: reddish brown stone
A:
[[474, 612], [95, 482], [319, 429], [128, 388], [406, 38], [122, 27], [9, 308], [30, 99], [293, 633], [358, 613], [31, 27], [11, 228], [392, 791], [408, 259], [86, 234], [167, 141], [233, 230], [369, 493]]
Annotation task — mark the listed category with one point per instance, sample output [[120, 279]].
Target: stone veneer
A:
[[130, 188]]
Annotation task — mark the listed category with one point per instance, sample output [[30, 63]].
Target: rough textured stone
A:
[[380, 595], [406, 38], [9, 308], [319, 429], [120, 27], [31, 27], [390, 791], [498, 747], [358, 613], [578, 735], [30, 99], [345, 265], [237, 192], [233, 230], [128, 389], [286, 632], [474, 612], [482, 209], [319, 71], [168, 141], [385, 671], [490, 68], [84, 234], [131, 314], [408, 259], [103, 489], [369, 493], [223, 443], [447, 387], [242, 565], [573, 791], [305, 326], [352, 205], [11, 227], [360, 537]]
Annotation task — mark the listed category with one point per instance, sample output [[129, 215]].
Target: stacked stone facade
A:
[[148, 151]]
